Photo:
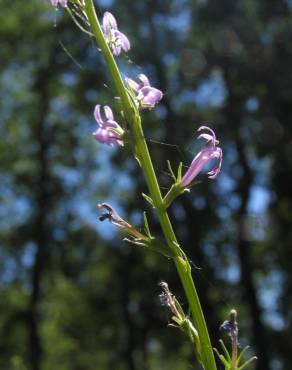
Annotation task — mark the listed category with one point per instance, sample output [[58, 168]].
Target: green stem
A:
[[233, 365], [141, 152], [110, 61], [173, 193]]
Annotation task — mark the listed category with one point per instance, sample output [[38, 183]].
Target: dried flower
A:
[[146, 95], [179, 319], [116, 39], [112, 216], [62, 3], [109, 131], [167, 299], [209, 152], [231, 326]]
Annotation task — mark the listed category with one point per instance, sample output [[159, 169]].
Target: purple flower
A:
[[146, 95], [109, 131], [116, 39], [63, 3], [209, 152]]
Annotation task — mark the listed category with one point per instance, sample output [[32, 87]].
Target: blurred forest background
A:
[[73, 296]]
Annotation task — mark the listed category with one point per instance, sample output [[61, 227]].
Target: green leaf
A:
[[222, 359], [247, 363], [149, 200], [227, 355], [242, 354], [146, 226], [179, 172], [170, 170]]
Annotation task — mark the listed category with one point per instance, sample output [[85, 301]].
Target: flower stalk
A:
[[140, 151]]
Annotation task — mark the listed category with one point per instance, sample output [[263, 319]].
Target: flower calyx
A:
[[176, 188]]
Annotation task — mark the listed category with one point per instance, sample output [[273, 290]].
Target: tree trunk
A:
[[41, 234]]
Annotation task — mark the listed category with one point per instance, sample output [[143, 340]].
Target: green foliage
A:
[[226, 360]]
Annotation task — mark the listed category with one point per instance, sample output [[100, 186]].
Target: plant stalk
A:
[[141, 152]]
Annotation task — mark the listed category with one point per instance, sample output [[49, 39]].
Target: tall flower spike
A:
[[62, 3], [109, 131], [116, 40], [209, 152], [146, 95]]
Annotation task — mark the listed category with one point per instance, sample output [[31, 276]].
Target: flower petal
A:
[[108, 112], [150, 95], [108, 137], [125, 43], [216, 169], [146, 95], [206, 128], [108, 23], [63, 3], [133, 84], [209, 152], [144, 79], [195, 168], [101, 135], [116, 49], [206, 137], [97, 115]]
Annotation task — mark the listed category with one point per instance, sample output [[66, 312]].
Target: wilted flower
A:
[[112, 216], [232, 360], [146, 95], [63, 3], [109, 131], [167, 299], [116, 39], [231, 326], [209, 152]]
